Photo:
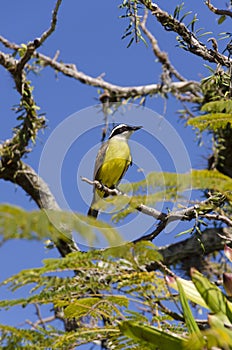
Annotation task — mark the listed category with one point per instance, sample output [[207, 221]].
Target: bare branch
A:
[[218, 11], [169, 312], [115, 91], [7, 61], [42, 321], [32, 46], [161, 55], [52, 28], [218, 217], [9, 44]]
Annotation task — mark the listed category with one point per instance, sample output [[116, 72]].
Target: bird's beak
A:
[[134, 128]]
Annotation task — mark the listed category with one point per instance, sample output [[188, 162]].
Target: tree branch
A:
[[116, 192], [161, 55], [52, 27], [26, 177], [193, 44], [115, 91], [15, 148], [218, 11], [12, 150], [212, 240], [199, 210], [32, 46]]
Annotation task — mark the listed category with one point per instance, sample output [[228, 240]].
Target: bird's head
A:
[[123, 130]]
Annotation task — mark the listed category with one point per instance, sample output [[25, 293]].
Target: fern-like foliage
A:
[[110, 288], [173, 182], [16, 223], [107, 285], [212, 121], [218, 114], [170, 187]]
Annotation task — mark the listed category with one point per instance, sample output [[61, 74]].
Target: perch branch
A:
[[201, 209]]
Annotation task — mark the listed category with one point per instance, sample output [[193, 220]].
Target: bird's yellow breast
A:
[[116, 161]]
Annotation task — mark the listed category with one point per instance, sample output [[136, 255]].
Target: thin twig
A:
[[218, 217], [169, 312], [32, 46], [45, 320], [40, 319], [52, 27]]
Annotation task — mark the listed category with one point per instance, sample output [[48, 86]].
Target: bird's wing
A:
[[99, 159], [125, 169]]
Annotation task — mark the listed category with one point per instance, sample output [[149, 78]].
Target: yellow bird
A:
[[112, 162]]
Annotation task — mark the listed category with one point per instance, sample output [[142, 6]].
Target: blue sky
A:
[[89, 35]]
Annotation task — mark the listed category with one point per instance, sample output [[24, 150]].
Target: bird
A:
[[112, 162]]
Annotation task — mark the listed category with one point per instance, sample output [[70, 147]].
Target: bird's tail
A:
[[92, 212]]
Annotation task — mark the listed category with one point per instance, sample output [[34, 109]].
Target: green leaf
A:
[[185, 15], [146, 253], [80, 307], [177, 10], [151, 336], [98, 307], [218, 106], [174, 184], [17, 223], [188, 316], [18, 338], [215, 337], [212, 121], [212, 295], [221, 19], [184, 232], [219, 115], [189, 288]]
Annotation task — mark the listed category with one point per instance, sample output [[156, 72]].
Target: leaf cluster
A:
[[167, 187], [203, 292], [108, 286], [16, 223], [133, 31], [217, 115]]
